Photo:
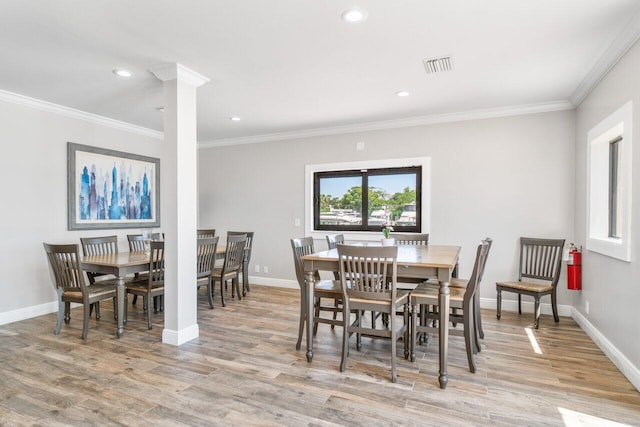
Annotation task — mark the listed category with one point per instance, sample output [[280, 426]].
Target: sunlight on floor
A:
[[579, 419], [533, 341]]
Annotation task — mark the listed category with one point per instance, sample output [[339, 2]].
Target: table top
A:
[[438, 256], [120, 259]]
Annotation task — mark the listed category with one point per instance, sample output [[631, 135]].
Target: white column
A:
[[179, 204]]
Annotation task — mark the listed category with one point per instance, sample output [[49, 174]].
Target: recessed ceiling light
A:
[[234, 118], [353, 15], [122, 73], [402, 93]]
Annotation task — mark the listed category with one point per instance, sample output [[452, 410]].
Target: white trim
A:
[[527, 307], [625, 40], [277, 283], [50, 107], [620, 360], [29, 312], [309, 170], [393, 124], [180, 337], [176, 71]]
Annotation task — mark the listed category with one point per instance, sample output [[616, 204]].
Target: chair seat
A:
[[458, 283], [139, 287], [102, 290], [431, 291], [328, 286], [217, 272], [527, 286]]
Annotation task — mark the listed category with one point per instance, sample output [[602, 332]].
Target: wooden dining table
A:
[[414, 262], [119, 264]]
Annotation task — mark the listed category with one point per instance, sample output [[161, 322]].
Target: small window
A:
[[365, 200], [614, 178]]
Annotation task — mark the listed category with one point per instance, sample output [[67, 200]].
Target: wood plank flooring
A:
[[244, 370]]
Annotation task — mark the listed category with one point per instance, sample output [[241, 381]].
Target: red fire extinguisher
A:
[[574, 269]]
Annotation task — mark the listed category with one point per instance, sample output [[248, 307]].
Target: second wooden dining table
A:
[[414, 262]]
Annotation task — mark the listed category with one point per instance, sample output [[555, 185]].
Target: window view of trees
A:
[[391, 198]]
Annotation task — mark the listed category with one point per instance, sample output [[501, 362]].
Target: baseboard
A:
[[28, 312], [180, 337], [279, 283], [625, 366], [527, 306]]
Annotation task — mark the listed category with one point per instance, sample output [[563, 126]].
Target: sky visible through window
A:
[[337, 187]]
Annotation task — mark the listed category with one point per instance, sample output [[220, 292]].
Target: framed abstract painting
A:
[[111, 189]]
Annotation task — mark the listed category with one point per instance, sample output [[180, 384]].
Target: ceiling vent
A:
[[438, 65]]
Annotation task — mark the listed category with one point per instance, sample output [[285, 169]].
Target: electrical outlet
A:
[[296, 222], [265, 269], [586, 307], [257, 268]]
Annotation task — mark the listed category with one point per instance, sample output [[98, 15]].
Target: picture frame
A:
[[94, 203]]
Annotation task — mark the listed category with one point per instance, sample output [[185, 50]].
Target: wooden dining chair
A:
[[231, 267], [322, 289], [98, 246], [333, 240], [369, 282], [203, 233], [248, 247], [71, 286], [410, 239], [540, 260], [206, 257], [153, 286], [427, 294]]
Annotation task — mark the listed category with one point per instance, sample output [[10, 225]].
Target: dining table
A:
[[118, 264], [415, 262]]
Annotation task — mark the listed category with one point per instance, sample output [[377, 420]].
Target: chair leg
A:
[[236, 283], [519, 303], [210, 288], [359, 316], [335, 312], [413, 331], [537, 313], [478, 315], [85, 322], [407, 330], [97, 304], [345, 336], [222, 285], [316, 314], [394, 342], [499, 302], [135, 300], [470, 346], [61, 314], [303, 312], [554, 306]]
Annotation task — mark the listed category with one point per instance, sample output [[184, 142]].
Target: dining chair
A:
[[136, 241], [231, 266], [71, 286], [333, 240], [540, 260], [462, 283], [245, 259], [202, 233], [427, 294], [98, 246], [327, 289], [368, 278], [205, 263], [153, 286], [410, 239]]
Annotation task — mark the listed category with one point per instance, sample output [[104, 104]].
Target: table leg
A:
[[443, 331], [120, 293], [245, 275], [309, 282]]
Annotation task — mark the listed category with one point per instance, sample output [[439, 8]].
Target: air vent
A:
[[438, 65]]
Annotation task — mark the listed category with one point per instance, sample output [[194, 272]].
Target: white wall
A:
[[33, 168], [504, 178], [611, 286]]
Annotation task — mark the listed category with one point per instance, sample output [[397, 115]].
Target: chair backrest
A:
[[411, 239], [235, 252], [478, 268], [301, 247], [99, 245], [136, 242], [248, 245], [64, 267], [541, 259], [334, 240], [206, 233], [368, 272], [156, 264], [206, 255]]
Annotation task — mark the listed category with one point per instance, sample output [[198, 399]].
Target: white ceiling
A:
[[293, 67]]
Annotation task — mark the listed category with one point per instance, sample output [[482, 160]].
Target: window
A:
[[609, 185], [357, 198], [365, 200]]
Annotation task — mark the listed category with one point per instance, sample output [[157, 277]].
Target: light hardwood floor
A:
[[244, 370]]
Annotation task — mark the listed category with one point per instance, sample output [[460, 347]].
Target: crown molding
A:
[[398, 123], [625, 40], [50, 107], [175, 71]]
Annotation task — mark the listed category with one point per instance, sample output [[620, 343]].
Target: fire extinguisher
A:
[[574, 269]]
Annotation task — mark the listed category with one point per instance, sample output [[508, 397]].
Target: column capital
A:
[[175, 71]]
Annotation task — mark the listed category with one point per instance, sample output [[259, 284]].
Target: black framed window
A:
[[365, 200]]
